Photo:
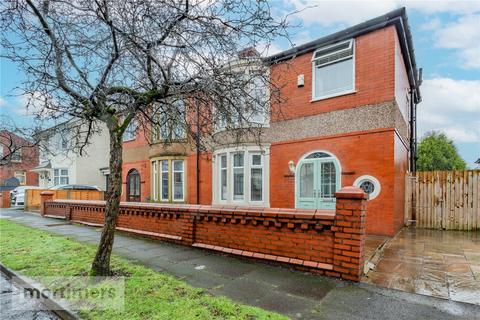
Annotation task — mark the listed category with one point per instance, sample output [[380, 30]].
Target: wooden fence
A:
[[447, 200], [32, 196]]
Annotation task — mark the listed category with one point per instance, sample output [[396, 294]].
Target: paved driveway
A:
[[296, 294], [444, 264]]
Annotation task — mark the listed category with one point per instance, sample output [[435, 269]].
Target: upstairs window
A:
[[171, 124], [16, 155], [251, 104], [130, 132], [333, 70], [60, 176]]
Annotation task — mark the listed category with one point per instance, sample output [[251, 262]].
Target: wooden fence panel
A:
[[447, 200], [32, 196]]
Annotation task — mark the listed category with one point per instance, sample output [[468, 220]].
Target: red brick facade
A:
[[382, 152], [28, 161]]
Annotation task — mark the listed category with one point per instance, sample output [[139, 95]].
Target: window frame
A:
[[222, 124], [171, 126], [376, 183], [60, 176], [16, 153], [342, 93], [23, 174], [158, 197], [248, 151], [132, 134]]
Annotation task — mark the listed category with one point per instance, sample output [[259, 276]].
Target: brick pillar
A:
[[349, 229], [44, 197], [5, 199]]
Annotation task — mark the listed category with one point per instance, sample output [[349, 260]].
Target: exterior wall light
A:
[[291, 166]]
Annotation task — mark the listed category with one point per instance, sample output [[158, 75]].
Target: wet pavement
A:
[[11, 308], [443, 264], [296, 294]]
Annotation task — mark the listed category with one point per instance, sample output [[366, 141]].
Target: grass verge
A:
[[148, 294]]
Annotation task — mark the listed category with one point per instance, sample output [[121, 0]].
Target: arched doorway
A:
[[317, 178], [133, 186]]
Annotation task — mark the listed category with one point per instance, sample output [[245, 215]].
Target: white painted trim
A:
[[353, 90], [303, 158], [376, 183], [264, 150]]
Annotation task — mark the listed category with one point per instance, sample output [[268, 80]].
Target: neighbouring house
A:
[[15, 170], [348, 118], [61, 163]]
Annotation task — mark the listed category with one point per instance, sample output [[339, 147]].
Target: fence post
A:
[[5, 203], [349, 233], [44, 197]]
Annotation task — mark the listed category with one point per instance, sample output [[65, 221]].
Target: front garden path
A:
[[293, 293]]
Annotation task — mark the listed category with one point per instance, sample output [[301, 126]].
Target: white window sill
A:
[[128, 140], [243, 204], [343, 93]]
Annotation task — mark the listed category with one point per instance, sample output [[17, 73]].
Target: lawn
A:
[[148, 294]]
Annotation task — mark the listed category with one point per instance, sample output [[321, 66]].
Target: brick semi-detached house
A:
[[20, 157], [347, 118]]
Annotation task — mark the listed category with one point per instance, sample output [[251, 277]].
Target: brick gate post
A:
[[44, 197], [349, 229]]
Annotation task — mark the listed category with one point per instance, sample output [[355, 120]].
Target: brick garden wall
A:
[[326, 242]]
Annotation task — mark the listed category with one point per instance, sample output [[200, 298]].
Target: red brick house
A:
[[348, 118], [19, 156]]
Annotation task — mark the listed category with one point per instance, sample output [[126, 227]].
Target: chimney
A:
[[249, 52]]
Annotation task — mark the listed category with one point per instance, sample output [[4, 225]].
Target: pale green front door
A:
[[317, 180]]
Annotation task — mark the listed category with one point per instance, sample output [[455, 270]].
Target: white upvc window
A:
[[21, 175], [16, 155], [164, 177], [177, 180], [130, 132], [241, 176], [171, 123], [60, 177], [333, 70], [251, 105], [168, 179], [155, 180]]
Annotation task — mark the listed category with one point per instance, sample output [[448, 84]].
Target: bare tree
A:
[[118, 62], [15, 139]]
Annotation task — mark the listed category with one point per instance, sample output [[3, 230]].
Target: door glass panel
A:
[[306, 180], [328, 179]]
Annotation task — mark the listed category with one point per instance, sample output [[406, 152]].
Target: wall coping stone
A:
[[351, 193]]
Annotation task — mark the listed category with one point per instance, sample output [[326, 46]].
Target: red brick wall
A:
[[205, 185], [326, 242], [374, 78], [361, 153]]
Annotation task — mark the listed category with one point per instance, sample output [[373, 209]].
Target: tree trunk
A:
[[101, 263]]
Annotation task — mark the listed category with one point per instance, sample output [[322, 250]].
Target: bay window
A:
[[168, 179], [241, 176], [333, 70]]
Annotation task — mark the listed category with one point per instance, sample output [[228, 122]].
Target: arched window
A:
[[133, 186], [317, 179]]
